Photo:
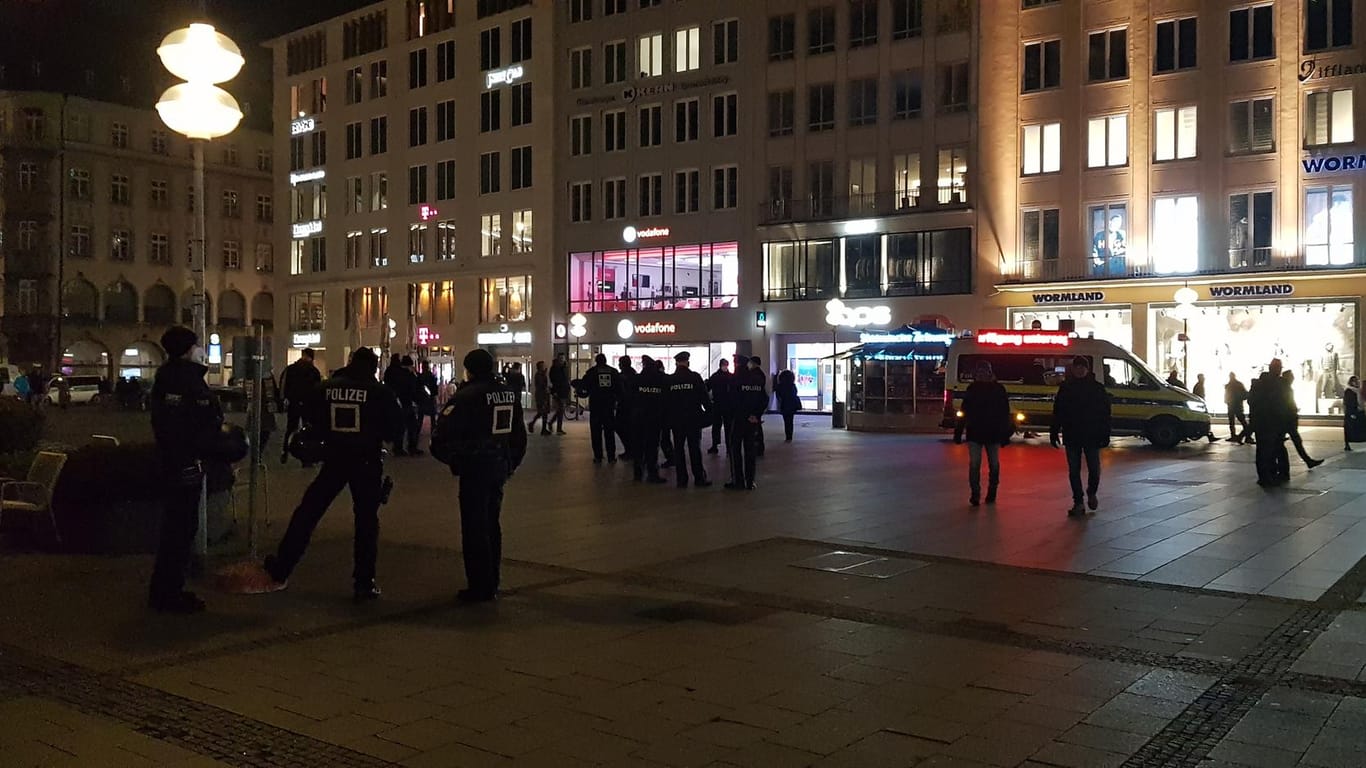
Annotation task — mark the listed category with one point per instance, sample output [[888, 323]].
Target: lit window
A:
[[1042, 148], [1175, 234], [1175, 127], [650, 55], [1328, 117], [687, 49], [1107, 141], [490, 235], [1328, 236]]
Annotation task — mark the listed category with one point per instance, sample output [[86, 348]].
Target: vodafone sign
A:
[[627, 328], [839, 314]]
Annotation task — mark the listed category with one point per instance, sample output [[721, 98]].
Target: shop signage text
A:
[[306, 338], [1021, 338], [427, 212], [631, 234], [306, 228], [644, 91], [837, 313], [503, 76], [503, 337], [425, 335], [1241, 291], [1311, 69], [908, 337], [299, 177], [302, 125], [1070, 297], [655, 329], [1334, 163]]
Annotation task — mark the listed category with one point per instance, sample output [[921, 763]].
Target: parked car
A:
[[84, 389]]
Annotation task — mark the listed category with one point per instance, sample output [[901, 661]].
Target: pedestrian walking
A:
[[404, 386], [516, 379], [559, 391], [1294, 431], [1081, 416], [751, 401], [649, 408], [603, 384], [987, 425], [297, 382], [353, 415], [427, 391], [1199, 391], [1353, 428], [689, 409], [624, 398], [540, 384], [721, 388], [185, 417], [1270, 399], [1175, 380], [482, 437], [1235, 395], [789, 402]]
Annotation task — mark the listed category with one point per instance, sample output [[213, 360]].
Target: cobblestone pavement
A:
[[854, 611]]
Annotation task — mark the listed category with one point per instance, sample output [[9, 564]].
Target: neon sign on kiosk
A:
[[1006, 338]]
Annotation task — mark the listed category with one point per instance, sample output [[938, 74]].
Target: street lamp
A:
[[1185, 298], [199, 110]]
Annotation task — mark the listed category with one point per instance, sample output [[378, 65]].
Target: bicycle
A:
[[573, 409]]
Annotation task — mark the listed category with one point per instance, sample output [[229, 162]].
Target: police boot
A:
[[364, 593]]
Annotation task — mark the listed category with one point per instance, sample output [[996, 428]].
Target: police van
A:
[[1031, 365]]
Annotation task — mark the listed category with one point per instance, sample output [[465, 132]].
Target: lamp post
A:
[[199, 110], [1185, 298]]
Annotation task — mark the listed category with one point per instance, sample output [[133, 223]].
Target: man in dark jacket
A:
[[1272, 416], [624, 406], [688, 410], [721, 387], [751, 400], [297, 381], [1081, 413], [986, 420], [559, 391], [185, 416], [427, 390], [603, 384], [400, 380], [1235, 395], [482, 437], [648, 408]]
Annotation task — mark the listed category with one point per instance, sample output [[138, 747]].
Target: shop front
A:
[[896, 379], [1089, 313], [709, 338]]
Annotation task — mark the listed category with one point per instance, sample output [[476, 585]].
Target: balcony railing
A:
[[780, 210], [1235, 261]]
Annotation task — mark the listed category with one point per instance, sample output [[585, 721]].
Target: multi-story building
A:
[[95, 225], [418, 134], [1134, 149]]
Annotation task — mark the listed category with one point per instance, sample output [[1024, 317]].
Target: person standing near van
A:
[[986, 421], [1081, 416]]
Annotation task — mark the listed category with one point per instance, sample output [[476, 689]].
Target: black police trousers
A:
[[722, 423], [602, 421], [179, 523], [688, 448], [743, 451], [481, 534], [365, 476], [645, 448]]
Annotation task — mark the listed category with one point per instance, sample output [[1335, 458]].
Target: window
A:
[[265, 209], [265, 261], [355, 84], [505, 299], [1176, 45], [445, 240], [782, 37], [820, 30], [490, 173], [523, 231], [231, 207], [1328, 226], [725, 187], [686, 191], [379, 79], [580, 135], [907, 18], [521, 103], [1107, 141], [355, 144], [723, 115], [651, 126], [298, 256], [614, 62], [320, 148], [1250, 34], [655, 278], [820, 107], [445, 180], [27, 235], [614, 130], [906, 177], [379, 191], [613, 7], [355, 194], [28, 176], [354, 249], [379, 135], [490, 111], [614, 198], [580, 10], [581, 201], [490, 49], [159, 142], [862, 23], [417, 243], [490, 235], [306, 311], [79, 183], [232, 255], [121, 245], [1175, 138], [445, 120], [28, 297], [158, 248], [725, 42], [118, 132], [863, 102], [417, 127], [936, 262], [650, 55], [264, 161], [1249, 229], [119, 190], [521, 168], [1328, 117], [650, 3], [417, 68], [953, 173], [862, 185], [953, 87], [1042, 149], [78, 241], [379, 247], [317, 254], [161, 194], [581, 68], [296, 153], [230, 155], [1109, 240], [1042, 65], [1039, 243], [907, 95], [651, 194], [687, 49], [1328, 24], [781, 117], [445, 62], [1250, 127], [687, 120], [1108, 55], [1175, 234], [820, 187], [521, 41], [417, 184]]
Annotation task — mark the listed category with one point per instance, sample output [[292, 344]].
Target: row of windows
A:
[[650, 60], [80, 244], [582, 10], [435, 239], [687, 192], [862, 27], [865, 192], [79, 187], [863, 98], [863, 266], [121, 303], [78, 128]]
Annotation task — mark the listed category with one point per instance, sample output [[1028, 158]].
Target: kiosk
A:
[[896, 379]]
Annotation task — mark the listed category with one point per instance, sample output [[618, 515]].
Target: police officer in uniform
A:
[[624, 406], [648, 410], [721, 385], [482, 437], [185, 416], [750, 403], [355, 415], [604, 389], [689, 409]]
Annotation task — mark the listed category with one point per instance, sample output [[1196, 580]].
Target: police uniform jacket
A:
[[604, 386], [481, 431], [722, 388], [751, 394], [650, 401], [185, 413], [355, 414], [688, 403]]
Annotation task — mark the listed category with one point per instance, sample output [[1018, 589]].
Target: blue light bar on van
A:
[[1023, 338], [907, 337]]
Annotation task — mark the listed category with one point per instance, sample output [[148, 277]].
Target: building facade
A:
[[95, 225]]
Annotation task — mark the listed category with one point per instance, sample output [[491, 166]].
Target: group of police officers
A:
[[653, 411]]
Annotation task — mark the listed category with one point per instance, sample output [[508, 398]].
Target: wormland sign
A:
[[1070, 297], [1351, 161], [1255, 290]]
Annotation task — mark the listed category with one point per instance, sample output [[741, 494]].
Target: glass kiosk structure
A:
[[896, 380]]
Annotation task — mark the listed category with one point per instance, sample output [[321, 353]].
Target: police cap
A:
[[683, 356], [756, 360], [479, 362], [177, 340]]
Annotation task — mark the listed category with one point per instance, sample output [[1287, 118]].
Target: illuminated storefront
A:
[[666, 277]]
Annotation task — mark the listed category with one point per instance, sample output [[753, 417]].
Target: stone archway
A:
[[140, 359], [85, 357], [120, 302], [263, 309], [187, 308], [80, 301], [158, 306], [232, 309]]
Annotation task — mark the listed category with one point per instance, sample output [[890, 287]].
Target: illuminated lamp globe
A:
[[1182, 311], [1186, 295], [199, 110], [578, 318], [200, 53]]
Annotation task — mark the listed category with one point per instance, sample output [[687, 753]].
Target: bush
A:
[[20, 426]]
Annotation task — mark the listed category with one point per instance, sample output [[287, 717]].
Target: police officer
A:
[[666, 438], [185, 415], [354, 414], [603, 384], [750, 403], [297, 381], [721, 385], [648, 409], [482, 437], [689, 409], [624, 405]]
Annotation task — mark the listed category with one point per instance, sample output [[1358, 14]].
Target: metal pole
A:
[[61, 244], [201, 544], [257, 363]]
